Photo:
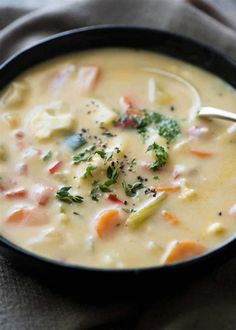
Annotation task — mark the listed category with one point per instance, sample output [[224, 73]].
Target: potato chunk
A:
[[14, 95], [50, 118], [99, 112]]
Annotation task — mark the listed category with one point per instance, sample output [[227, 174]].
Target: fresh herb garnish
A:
[[131, 189], [94, 193], [48, 156], [88, 171], [129, 210], [112, 175], [104, 155], [64, 196], [166, 127], [75, 141], [84, 155], [161, 156], [156, 177]]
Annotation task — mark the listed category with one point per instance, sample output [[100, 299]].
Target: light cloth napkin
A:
[[209, 303]]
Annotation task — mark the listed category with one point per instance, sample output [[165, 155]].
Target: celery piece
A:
[[3, 153], [137, 218]]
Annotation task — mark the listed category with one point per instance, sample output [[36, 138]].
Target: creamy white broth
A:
[[200, 167]]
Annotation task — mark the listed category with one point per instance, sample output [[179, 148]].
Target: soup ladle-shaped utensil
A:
[[211, 112]]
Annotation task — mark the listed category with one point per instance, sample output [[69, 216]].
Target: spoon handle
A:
[[216, 113]]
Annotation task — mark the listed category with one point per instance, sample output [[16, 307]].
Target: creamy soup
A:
[[103, 161]]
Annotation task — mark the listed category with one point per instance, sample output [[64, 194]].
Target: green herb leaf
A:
[[104, 155], [161, 156], [64, 196], [88, 171], [94, 193], [85, 155], [129, 210], [48, 156], [169, 129], [131, 189], [112, 174]]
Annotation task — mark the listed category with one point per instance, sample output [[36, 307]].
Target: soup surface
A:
[[104, 163]]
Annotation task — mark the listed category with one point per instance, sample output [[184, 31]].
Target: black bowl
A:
[[85, 279]]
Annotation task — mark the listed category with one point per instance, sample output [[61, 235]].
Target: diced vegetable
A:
[[99, 112], [15, 95], [113, 198], [27, 216], [55, 167], [137, 218], [43, 194], [168, 188], [129, 106], [6, 183], [201, 153], [182, 250], [171, 217], [87, 78], [75, 141], [49, 119], [197, 131], [107, 222], [20, 193], [3, 153]]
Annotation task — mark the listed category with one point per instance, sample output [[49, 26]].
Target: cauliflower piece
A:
[[100, 113], [186, 192], [49, 119], [14, 95]]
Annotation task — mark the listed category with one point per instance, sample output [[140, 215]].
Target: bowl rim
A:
[[8, 244]]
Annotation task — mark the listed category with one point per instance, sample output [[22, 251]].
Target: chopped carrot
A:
[[200, 153], [134, 111], [20, 193], [182, 250], [114, 198], [169, 216], [126, 103], [168, 188], [87, 77], [54, 168], [107, 222], [129, 106], [43, 195], [19, 135], [26, 216]]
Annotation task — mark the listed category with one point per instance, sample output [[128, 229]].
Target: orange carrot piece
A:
[[168, 188], [134, 111], [18, 216], [128, 105], [27, 216], [200, 153], [171, 217], [20, 193], [107, 222], [54, 168], [182, 250], [88, 77], [43, 195]]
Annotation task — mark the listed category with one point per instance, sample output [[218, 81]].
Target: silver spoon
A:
[[211, 112]]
